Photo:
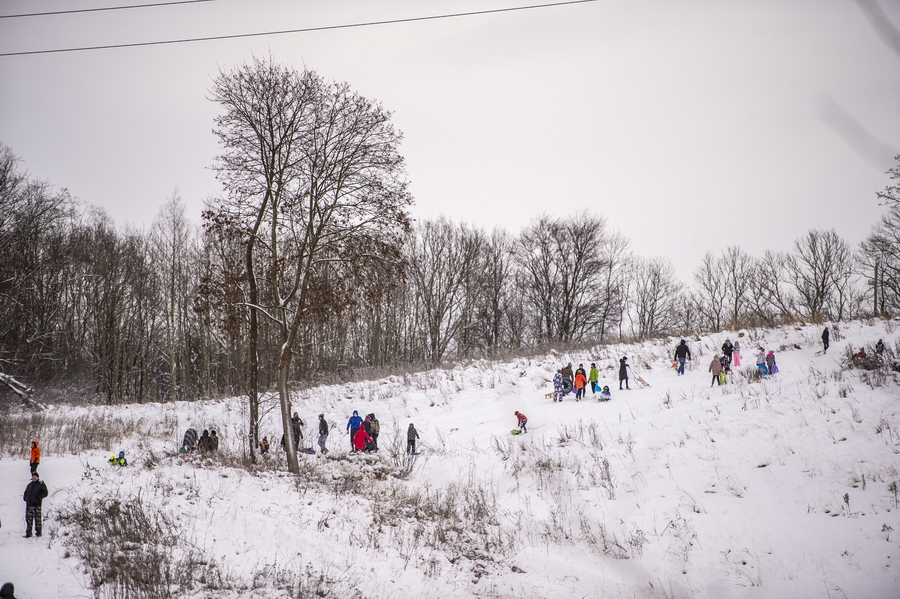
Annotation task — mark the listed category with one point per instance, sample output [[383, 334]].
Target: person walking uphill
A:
[[715, 367], [354, 425], [411, 436], [35, 459], [727, 350], [826, 336], [623, 372], [682, 353], [35, 493]]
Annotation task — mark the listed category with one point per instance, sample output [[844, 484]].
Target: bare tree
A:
[[880, 260], [710, 294], [655, 297], [313, 170], [821, 268]]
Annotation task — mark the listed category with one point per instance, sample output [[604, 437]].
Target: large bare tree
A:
[[317, 186]]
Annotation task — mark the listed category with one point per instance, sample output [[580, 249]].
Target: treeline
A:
[[162, 314]]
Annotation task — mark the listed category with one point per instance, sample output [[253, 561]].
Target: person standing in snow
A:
[[523, 421], [580, 384], [204, 444], [34, 495], [35, 459], [879, 347], [353, 425], [761, 362], [374, 429], [736, 356], [682, 353], [715, 367], [323, 433], [557, 386], [770, 362], [8, 591], [593, 378], [826, 336], [297, 425], [411, 435], [213, 441], [727, 350], [264, 445], [623, 372]]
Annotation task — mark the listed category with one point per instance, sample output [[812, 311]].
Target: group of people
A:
[[566, 381], [208, 441], [363, 432]]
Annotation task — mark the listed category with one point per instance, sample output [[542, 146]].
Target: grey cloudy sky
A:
[[689, 125]]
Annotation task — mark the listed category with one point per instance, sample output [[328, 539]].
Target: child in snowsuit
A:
[[715, 367], [605, 395], [118, 461], [411, 436], [770, 362], [522, 422], [761, 363], [35, 459], [558, 386]]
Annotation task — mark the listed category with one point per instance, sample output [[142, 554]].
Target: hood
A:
[[355, 413], [35, 443]]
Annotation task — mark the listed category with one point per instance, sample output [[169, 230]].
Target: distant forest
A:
[[308, 268], [161, 314]]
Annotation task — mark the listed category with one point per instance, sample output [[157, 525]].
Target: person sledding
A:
[[118, 460], [605, 395], [523, 421]]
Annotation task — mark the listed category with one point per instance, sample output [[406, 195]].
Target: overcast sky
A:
[[689, 125]]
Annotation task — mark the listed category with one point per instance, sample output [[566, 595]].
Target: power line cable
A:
[[304, 30], [80, 10]]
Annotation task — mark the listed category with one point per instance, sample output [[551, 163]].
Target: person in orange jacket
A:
[[35, 456], [580, 383]]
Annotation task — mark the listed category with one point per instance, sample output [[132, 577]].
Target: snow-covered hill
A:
[[780, 487]]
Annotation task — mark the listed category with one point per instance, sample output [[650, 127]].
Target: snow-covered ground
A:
[[772, 488]]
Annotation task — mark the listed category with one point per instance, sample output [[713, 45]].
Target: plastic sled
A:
[[515, 431]]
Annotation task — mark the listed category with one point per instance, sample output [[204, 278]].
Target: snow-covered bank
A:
[[771, 488]]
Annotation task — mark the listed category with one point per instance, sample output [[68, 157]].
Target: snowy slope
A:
[[771, 488]]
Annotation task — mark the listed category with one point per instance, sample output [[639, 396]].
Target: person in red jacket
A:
[[360, 439], [523, 421], [35, 456], [580, 383]]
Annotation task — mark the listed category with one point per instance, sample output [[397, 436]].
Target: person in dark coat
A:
[[204, 444], [323, 433], [682, 353], [411, 435], [35, 493], [297, 425], [623, 372], [213, 441], [727, 351], [826, 336], [8, 591], [374, 429]]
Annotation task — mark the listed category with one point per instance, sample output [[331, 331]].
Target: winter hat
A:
[[367, 419], [593, 364], [8, 590], [517, 412], [321, 415]]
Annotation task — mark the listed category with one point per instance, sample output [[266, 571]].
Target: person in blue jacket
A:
[[353, 425]]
